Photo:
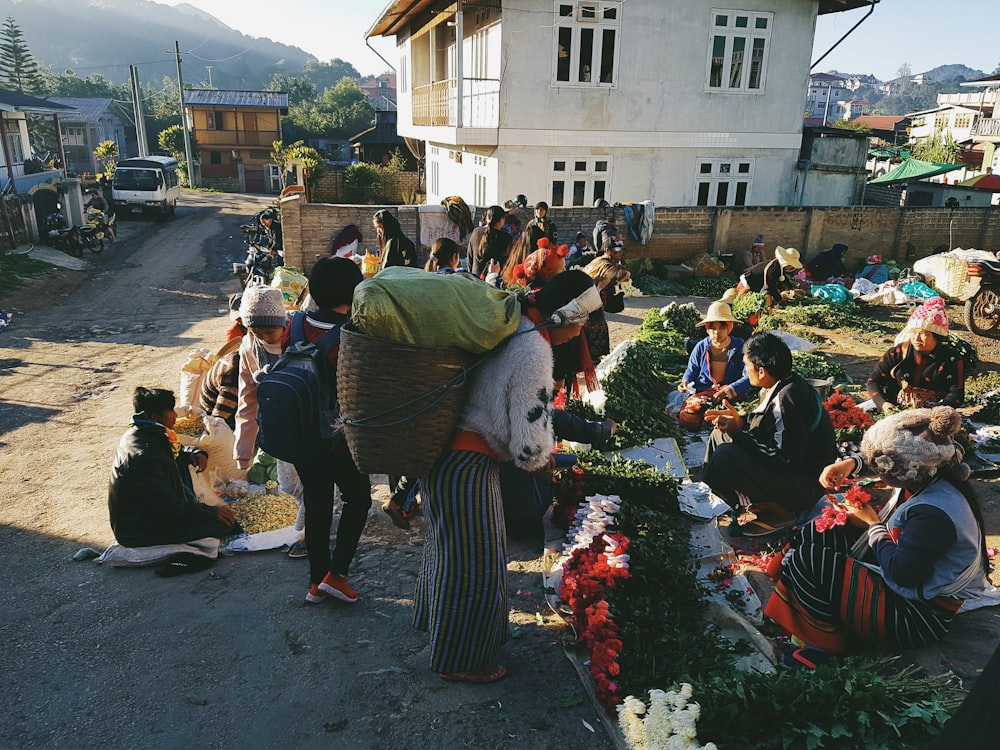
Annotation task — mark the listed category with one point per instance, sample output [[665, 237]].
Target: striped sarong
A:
[[827, 598], [461, 596]]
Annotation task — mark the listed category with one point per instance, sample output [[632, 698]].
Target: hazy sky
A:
[[921, 33]]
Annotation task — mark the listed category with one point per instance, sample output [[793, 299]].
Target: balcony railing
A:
[[436, 103], [987, 126]]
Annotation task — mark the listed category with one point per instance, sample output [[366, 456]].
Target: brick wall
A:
[[331, 187], [679, 234]]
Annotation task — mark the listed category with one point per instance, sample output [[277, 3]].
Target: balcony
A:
[[986, 128], [435, 104]]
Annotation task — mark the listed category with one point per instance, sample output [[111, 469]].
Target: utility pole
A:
[[140, 121], [184, 122]]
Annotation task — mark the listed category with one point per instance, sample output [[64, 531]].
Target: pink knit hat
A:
[[930, 316]]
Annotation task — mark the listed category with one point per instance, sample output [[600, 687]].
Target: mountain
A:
[[106, 36], [955, 72]]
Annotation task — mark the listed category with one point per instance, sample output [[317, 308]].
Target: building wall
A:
[[657, 119], [679, 234]]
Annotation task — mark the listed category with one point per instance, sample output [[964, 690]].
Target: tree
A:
[[94, 85], [300, 90], [107, 153], [171, 140], [941, 148], [310, 158], [18, 69], [323, 75], [996, 70], [849, 125], [340, 112]]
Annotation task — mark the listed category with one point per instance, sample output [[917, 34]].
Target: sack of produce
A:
[[411, 306], [199, 362]]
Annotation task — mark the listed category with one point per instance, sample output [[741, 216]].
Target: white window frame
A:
[[588, 18], [15, 147], [723, 170], [575, 170], [731, 36]]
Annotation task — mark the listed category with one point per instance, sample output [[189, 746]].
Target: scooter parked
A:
[[72, 239], [982, 309]]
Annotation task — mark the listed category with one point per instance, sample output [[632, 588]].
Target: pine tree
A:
[[18, 69]]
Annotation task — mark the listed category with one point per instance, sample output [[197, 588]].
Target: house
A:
[[826, 97], [856, 108], [950, 121], [235, 131], [93, 121], [673, 101], [894, 130], [377, 144], [380, 86], [986, 128]]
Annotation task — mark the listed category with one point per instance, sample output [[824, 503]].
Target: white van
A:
[[145, 184]]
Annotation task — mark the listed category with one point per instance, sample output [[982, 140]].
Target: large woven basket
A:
[[400, 402]]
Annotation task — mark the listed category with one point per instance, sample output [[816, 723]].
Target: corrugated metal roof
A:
[[15, 101], [90, 109], [242, 99], [881, 122]]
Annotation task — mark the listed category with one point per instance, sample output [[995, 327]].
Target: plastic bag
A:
[[199, 362], [918, 289], [831, 292], [291, 284]]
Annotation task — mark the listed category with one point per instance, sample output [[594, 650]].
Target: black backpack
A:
[[298, 414]]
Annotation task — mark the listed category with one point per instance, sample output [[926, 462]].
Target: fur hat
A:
[[930, 316], [262, 306], [541, 265], [718, 312], [787, 256], [910, 447]]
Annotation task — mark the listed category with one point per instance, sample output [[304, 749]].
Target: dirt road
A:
[[115, 658]]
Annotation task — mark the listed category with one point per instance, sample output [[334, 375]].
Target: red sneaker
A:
[[337, 585], [316, 595]]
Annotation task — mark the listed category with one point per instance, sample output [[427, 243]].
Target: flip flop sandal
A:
[[757, 529], [806, 658], [298, 549], [480, 676]]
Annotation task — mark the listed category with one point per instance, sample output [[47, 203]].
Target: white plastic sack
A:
[[218, 442], [199, 362], [795, 343]]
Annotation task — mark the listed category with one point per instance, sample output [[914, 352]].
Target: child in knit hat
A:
[[262, 309], [922, 369]]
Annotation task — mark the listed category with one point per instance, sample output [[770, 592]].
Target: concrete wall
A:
[[653, 124], [679, 234]]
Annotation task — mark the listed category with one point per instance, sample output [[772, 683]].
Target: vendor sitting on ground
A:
[[774, 277], [716, 362], [829, 264], [741, 329], [769, 464], [150, 496], [922, 369], [927, 542]]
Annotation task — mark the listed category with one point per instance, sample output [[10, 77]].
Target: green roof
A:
[[913, 169]]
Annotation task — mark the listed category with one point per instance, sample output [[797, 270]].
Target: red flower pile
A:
[[587, 577], [845, 414], [836, 514]]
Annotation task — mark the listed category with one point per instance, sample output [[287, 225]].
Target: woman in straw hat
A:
[[774, 277], [928, 545], [922, 369], [716, 362]]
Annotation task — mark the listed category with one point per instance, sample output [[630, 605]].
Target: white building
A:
[[944, 120], [827, 97], [680, 102]]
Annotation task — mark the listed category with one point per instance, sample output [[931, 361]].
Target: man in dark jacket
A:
[[770, 463], [150, 497]]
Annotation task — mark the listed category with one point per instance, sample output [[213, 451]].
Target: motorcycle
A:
[[982, 309], [104, 222], [261, 260], [74, 239]]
